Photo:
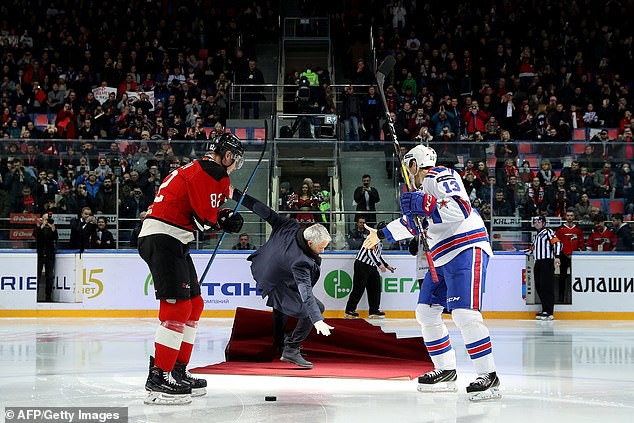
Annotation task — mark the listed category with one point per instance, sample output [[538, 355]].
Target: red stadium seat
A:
[[525, 147], [579, 135], [578, 147], [41, 120], [616, 206], [240, 133]]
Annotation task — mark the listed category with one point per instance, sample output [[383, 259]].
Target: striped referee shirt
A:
[[546, 245], [371, 257]]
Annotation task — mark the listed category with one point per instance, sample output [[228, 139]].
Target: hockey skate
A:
[[163, 389], [181, 375], [485, 387], [438, 381]]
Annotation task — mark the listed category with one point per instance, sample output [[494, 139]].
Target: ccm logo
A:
[[450, 299]]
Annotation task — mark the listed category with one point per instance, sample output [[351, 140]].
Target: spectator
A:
[[106, 199], [372, 111], [350, 114], [133, 204], [601, 238], [82, 229], [623, 233], [243, 243], [102, 238], [252, 94], [605, 182], [501, 206], [134, 236], [46, 237], [475, 119], [572, 239], [365, 199], [358, 234]]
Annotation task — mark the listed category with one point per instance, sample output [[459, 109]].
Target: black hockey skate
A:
[[438, 381], [485, 387], [181, 374], [163, 389]]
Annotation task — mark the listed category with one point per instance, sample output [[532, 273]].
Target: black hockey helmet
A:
[[229, 142]]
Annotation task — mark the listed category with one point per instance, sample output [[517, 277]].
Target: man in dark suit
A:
[[366, 197], [623, 233], [285, 269]]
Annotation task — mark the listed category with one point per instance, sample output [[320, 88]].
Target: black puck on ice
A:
[[270, 398]]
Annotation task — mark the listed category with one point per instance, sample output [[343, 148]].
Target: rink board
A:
[[118, 284]]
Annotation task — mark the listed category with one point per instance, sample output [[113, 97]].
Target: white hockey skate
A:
[[486, 387], [438, 381]]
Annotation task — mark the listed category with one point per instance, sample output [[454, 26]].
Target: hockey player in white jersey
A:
[[460, 249]]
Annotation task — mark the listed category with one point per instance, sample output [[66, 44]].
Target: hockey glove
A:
[[413, 246], [229, 222], [417, 203]]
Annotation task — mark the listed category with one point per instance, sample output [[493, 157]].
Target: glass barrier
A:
[[507, 182]]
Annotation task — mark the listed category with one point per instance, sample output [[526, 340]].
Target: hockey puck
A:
[[270, 398]]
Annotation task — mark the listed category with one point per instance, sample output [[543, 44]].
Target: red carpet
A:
[[355, 349]]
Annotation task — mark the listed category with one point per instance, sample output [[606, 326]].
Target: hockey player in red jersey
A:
[[190, 198], [572, 239]]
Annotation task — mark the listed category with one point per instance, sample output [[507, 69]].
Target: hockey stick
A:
[[239, 203], [384, 69]]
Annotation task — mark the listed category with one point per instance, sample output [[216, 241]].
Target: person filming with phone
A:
[[45, 241]]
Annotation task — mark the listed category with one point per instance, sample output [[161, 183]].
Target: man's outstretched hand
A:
[[323, 328], [372, 239]]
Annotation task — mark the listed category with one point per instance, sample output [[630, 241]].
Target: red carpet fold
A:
[[355, 349]]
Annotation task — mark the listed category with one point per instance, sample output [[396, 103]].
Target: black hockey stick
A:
[[384, 69], [239, 203]]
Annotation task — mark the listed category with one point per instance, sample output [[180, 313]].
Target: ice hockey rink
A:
[[559, 371]]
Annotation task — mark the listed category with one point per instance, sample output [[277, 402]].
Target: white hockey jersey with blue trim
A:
[[453, 226]]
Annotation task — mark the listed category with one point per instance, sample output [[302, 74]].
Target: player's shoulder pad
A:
[[434, 171], [213, 169]]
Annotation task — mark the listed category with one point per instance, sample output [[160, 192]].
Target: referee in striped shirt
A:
[[546, 250], [367, 264]]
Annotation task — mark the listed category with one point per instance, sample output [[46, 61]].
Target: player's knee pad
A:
[[464, 317], [429, 315], [198, 304], [175, 310]]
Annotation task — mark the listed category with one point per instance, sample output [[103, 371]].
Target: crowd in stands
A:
[[162, 70], [509, 86]]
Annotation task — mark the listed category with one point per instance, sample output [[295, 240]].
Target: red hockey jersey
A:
[[188, 199], [602, 241], [572, 239]]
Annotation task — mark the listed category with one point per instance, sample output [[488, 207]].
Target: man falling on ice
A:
[[460, 249]]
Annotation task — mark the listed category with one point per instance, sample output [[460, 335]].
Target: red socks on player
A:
[[175, 336]]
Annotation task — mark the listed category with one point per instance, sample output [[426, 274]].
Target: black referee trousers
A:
[[366, 277], [544, 273]]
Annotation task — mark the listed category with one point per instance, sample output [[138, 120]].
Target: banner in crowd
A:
[[102, 93], [134, 96]]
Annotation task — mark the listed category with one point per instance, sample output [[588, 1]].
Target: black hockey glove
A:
[[413, 246], [229, 222]]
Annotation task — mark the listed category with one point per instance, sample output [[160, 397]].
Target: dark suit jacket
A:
[[624, 238], [284, 268]]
